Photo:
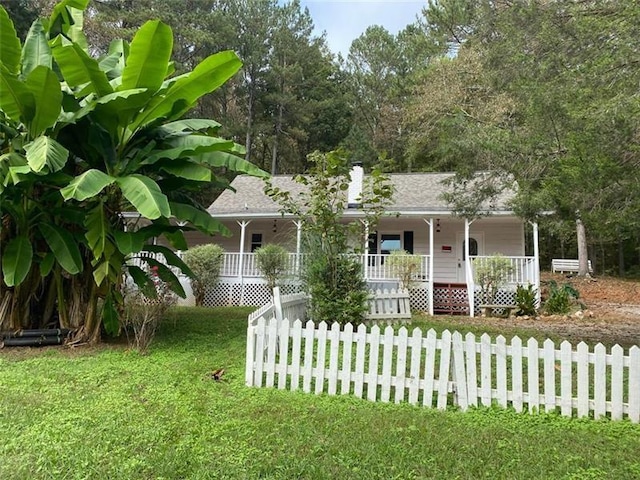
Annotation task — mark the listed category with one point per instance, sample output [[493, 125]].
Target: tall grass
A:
[[111, 413]]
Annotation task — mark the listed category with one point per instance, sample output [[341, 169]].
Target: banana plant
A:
[[96, 137]]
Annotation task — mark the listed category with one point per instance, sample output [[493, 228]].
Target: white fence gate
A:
[[450, 370]]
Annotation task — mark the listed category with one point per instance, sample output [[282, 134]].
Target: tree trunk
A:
[[583, 256], [248, 138]]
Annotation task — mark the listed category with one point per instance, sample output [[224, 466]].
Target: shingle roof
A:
[[414, 192]]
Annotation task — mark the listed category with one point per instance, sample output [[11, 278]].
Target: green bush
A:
[[205, 261], [405, 266], [337, 288], [272, 262], [526, 300], [491, 273], [561, 298]]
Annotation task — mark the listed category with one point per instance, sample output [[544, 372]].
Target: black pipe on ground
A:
[[32, 341], [42, 332]]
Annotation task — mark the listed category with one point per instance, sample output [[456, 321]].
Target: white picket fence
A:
[[450, 370], [280, 307], [388, 305]]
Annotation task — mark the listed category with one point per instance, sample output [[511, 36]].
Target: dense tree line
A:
[[540, 92]]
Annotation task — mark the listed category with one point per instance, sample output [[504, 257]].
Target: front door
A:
[[476, 247]]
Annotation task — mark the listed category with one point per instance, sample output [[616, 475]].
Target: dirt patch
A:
[[611, 314]]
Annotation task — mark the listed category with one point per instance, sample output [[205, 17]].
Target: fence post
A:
[[277, 303], [251, 348]]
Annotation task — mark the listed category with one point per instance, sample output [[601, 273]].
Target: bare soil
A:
[[610, 312]]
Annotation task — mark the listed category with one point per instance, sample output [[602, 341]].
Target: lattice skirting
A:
[[256, 293], [503, 297]]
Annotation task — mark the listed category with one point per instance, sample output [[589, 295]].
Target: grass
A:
[[111, 413]]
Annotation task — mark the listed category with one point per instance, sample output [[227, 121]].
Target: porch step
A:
[[450, 299]]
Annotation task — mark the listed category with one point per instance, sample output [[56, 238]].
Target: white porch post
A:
[[366, 250], [430, 266], [536, 262], [298, 224], [243, 225], [467, 269]]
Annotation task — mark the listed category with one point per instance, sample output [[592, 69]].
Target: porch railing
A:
[[522, 271], [374, 267]]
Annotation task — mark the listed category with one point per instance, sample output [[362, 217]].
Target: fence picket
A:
[[308, 356], [459, 374], [345, 377], [401, 365], [516, 374], [445, 364], [582, 377], [549, 375], [283, 343], [634, 384], [372, 377], [600, 386], [485, 369], [361, 338], [387, 360], [334, 342], [501, 370], [429, 368], [617, 373], [566, 381], [276, 357], [414, 369], [259, 352], [270, 367], [533, 374], [471, 357], [321, 357], [296, 350]]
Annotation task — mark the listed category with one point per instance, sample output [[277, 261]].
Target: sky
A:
[[346, 20]]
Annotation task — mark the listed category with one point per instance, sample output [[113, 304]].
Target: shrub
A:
[[491, 273], [272, 262], [526, 300], [404, 266], [141, 315], [561, 298], [338, 290], [205, 261]]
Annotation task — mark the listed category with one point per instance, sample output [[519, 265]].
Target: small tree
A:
[[332, 278], [205, 261], [404, 266], [491, 274], [272, 262]]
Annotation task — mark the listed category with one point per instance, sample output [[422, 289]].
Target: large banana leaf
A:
[[230, 161], [181, 95], [87, 185], [79, 69], [46, 152], [110, 318], [143, 281], [97, 230], [198, 218], [166, 275], [149, 55], [185, 147], [66, 19], [107, 269], [171, 258], [63, 246], [10, 48], [188, 170], [45, 87], [145, 195], [186, 126], [129, 242], [16, 260], [36, 50], [16, 101]]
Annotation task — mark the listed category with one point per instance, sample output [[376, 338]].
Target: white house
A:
[[418, 221]]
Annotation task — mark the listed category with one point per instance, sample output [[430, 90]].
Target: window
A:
[[390, 242], [256, 241], [473, 248]]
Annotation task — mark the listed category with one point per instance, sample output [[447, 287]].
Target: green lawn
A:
[[109, 413]]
